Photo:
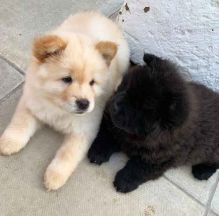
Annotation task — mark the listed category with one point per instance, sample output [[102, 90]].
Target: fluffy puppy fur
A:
[[160, 121], [73, 72]]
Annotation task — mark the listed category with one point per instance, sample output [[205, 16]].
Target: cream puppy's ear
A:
[[47, 47], [107, 49]]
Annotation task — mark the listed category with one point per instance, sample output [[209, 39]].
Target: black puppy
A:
[[160, 121]]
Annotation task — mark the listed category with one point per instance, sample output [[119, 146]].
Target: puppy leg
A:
[[204, 171], [103, 146], [66, 160], [22, 126], [135, 173]]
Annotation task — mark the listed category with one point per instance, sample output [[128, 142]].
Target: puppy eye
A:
[[92, 82], [67, 80]]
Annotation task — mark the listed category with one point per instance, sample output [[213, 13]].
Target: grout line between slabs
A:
[[125, 32], [211, 196], [11, 92], [12, 65], [118, 9], [115, 12], [212, 213], [180, 188]]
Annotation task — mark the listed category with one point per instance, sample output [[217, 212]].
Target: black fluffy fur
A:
[[160, 121]]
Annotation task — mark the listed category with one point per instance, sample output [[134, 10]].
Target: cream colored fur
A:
[[69, 50]]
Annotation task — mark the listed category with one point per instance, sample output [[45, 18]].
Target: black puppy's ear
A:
[[149, 58]]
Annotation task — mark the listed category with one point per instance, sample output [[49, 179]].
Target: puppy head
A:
[[151, 98], [71, 71]]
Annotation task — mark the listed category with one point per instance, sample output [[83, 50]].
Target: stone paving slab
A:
[[200, 190], [9, 78], [88, 192], [215, 201], [212, 214], [20, 21]]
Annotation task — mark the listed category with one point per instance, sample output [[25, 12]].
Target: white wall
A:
[[185, 31]]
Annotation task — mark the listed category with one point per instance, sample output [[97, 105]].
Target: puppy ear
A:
[[48, 46], [148, 58], [107, 49]]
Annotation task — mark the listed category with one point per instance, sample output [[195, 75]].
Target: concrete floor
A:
[[89, 191]]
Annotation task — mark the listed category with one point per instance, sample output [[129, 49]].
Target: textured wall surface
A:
[[185, 31]]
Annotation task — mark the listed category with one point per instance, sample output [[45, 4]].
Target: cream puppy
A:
[[73, 72]]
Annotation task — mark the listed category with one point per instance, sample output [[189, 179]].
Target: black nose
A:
[[82, 104]]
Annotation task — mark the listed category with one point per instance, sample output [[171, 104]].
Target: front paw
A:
[[9, 146], [96, 156], [123, 182], [54, 179]]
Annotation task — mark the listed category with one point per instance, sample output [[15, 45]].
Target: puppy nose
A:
[[82, 104]]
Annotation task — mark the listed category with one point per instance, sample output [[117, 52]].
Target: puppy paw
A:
[[54, 179], [203, 171], [97, 157], [123, 183], [9, 146]]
